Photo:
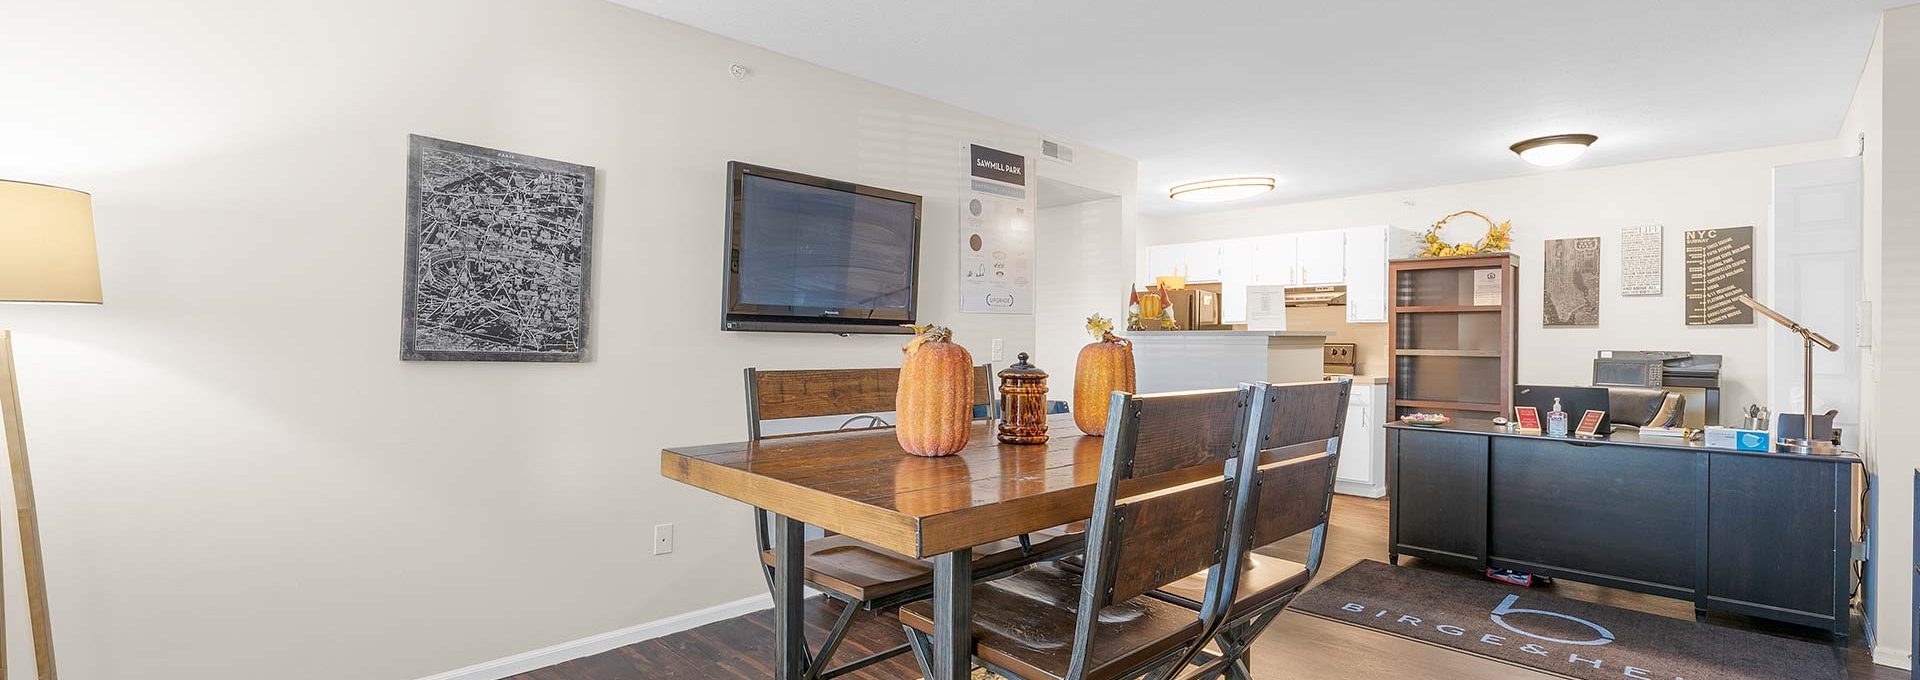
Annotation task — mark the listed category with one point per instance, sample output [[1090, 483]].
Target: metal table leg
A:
[[953, 615], [789, 598]]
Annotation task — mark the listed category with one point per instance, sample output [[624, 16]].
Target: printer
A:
[[1662, 370]]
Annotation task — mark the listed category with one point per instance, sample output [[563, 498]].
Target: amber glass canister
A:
[[1023, 403]]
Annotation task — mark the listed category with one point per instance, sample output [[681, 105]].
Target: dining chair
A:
[[1162, 507], [1296, 433], [859, 574]]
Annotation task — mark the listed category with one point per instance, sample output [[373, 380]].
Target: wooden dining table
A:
[[861, 484]]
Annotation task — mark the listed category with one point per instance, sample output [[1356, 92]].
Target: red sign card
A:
[[1526, 419], [1590, 423]]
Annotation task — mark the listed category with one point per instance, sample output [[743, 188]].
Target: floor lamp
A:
[[46, 255]]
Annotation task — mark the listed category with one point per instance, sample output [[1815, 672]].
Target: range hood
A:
[[1316, 296]]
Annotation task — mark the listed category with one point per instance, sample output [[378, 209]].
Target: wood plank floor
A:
[[1297, 646]]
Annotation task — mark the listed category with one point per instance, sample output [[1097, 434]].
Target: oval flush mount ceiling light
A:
[[1217, 190], [1547, 152]]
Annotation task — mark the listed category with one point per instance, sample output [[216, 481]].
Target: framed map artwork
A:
[[499, 248], [1572, 287]]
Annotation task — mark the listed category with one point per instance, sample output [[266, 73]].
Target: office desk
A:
[[1762, 534]]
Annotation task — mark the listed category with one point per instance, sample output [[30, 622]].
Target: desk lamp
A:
[[46, 255], [1808, 442]]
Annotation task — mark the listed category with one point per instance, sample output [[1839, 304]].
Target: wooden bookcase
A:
[[1450, 354]]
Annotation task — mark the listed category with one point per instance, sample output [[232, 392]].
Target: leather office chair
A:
[[1645, 407], [859, 574]]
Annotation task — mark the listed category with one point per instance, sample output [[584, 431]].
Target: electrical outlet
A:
[[998, 353], [662, 539]]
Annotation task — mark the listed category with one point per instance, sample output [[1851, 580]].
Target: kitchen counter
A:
[[1360, 379], [1224, 334], [1171, 361]]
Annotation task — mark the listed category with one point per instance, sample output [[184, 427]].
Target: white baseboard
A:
[[595, 644], [1360, 489], [1888, 655]]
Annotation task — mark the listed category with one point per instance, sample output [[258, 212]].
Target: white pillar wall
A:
[[1894, 290]]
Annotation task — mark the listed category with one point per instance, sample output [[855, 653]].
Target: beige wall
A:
[[1081, 272], [238, 477], [1370, 353]]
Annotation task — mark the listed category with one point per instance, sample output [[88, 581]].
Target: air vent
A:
[[1057, 151]]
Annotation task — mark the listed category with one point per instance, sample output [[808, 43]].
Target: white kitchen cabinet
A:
[[1363, 443], [1273, 260], [1197, 262], [1367, 275], [1321, 257], [1203, 261], [1165, 260], [1236, 273]]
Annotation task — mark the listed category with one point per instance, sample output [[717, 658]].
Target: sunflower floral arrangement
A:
[[1499, 238]]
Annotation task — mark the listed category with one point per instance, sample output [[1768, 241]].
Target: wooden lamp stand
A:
[[16, 438]]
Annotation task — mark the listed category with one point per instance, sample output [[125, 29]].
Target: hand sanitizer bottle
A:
[[1556, 420]]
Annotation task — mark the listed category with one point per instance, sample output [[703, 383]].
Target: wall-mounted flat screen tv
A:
[[807, 253]]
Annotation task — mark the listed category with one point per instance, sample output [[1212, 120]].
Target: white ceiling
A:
[[1342, 98]]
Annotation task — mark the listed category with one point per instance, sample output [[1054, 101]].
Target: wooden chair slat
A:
[[1293, 497], [1305, 412], [844, 391], [1167, 536], [1185, 429]]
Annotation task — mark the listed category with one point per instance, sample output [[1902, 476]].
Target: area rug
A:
[[1565, 637]]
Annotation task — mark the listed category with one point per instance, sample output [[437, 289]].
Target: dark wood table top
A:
[[863, 485]]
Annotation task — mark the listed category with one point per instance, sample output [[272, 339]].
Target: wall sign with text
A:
[[996, 233], [1640, 260], [1719, 271]]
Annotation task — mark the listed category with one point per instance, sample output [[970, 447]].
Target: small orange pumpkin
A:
[[1105, 365], [934, 405]]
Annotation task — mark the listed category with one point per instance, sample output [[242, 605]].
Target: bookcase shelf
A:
[[1453, 326]]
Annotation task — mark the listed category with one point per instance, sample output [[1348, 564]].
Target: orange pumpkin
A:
[[934, 405], [1105, 365]]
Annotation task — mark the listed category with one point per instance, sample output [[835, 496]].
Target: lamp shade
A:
[[46, 244]]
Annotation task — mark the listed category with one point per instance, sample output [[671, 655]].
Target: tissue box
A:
[[1736, 438]]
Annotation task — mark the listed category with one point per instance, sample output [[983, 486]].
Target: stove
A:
[[1340, 358]]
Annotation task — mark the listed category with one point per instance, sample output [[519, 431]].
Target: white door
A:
[[1273, 261], [1814, 247], [1356, 439], [1322, 257], [1366, 254]]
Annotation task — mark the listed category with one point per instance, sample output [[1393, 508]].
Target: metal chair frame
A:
[[1238, 632], [1117, 465], [818, 660]]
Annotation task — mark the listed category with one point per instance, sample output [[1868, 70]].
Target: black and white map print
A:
[[1572, 283], [498, 250]]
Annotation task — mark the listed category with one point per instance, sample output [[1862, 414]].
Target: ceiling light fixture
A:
[[1217, 190], [1547, 152]]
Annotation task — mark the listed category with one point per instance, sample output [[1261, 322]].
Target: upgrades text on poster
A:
[[996, 233]]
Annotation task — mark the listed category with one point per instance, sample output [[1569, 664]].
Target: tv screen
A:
[[806, 253]]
